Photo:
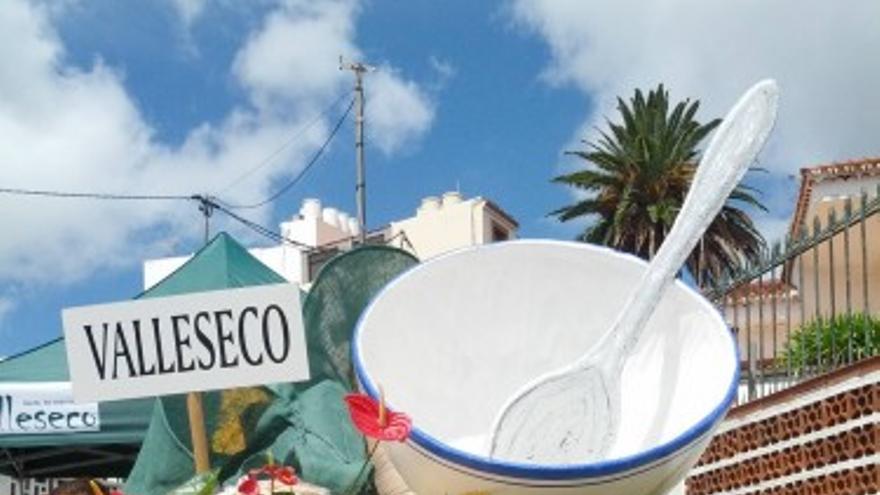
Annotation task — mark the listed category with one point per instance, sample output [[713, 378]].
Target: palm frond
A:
[[639, 170]]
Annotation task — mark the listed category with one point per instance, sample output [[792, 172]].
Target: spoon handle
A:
[[732, 150]]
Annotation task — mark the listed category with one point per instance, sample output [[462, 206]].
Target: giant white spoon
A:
[[571, 415]]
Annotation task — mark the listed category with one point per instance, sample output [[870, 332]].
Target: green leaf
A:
[[637, 173]]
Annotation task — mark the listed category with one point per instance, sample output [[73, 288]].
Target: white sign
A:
[[44, 407], [29, 486], [200, 341]]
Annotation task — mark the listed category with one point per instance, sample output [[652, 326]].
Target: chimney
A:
[[451, 198], [331, 217], [429, 204], [311, 208]]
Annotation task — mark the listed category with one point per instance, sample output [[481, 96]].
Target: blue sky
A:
[[183, 96]]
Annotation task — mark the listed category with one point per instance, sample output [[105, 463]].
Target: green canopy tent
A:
[[109, 452], [301, 424], [112, 451]]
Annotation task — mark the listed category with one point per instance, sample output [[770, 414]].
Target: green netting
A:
[[344, 287], [303, 424], [318, 437]]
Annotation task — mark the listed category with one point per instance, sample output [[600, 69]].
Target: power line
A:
[[254, 226], [191, 197], [301, 131], [208, 202], [277, 237], [93, 195], [301, 173]]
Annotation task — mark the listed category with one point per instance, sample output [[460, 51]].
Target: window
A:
[[499, 233]]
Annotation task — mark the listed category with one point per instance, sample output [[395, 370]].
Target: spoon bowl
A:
[[577, 411]]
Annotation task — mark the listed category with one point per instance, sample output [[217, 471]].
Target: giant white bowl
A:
[[451, 339]]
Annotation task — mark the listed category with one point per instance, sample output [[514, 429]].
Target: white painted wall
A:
[[313, 226], [441, 224], [449, 222], [838, 189]]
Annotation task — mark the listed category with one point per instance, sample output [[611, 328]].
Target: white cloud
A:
[[316, 35], [774, 228], [313, 35], [80, 130], [189, 10], [823, 55], [396, 110], [6, 307], [444, 70]]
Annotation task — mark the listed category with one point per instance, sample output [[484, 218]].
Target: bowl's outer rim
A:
[[550, 471], [557, 482]]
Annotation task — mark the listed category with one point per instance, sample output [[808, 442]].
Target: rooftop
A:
[[811, 176]]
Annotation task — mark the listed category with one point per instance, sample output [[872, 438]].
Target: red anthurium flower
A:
[[249, 486], [372, 420], [268, 469], [286, 475]]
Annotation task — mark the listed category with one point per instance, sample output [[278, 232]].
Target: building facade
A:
[[317, 233], [838, 273]]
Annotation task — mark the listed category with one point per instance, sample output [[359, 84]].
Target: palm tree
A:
[[636, 178]]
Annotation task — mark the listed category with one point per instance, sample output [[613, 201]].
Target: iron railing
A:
[[809, 306]]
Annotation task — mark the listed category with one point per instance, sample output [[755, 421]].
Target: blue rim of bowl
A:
[[549, 472]]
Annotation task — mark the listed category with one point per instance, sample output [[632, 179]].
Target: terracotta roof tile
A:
[[765, 288]]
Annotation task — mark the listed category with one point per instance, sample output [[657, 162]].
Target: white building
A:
[[449, 222], [319, 233]]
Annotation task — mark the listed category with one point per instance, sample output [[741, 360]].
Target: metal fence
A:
[[810, 305]]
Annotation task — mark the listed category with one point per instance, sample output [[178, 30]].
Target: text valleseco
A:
[[202, 341]]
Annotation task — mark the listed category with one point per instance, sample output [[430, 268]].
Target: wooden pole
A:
[[197, 432], [194, 409]]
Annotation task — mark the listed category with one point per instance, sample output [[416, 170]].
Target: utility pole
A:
[[359, 68], [194, 407]]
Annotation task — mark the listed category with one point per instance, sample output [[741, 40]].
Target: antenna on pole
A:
[[359, 68], [194, 408], [206, 207]]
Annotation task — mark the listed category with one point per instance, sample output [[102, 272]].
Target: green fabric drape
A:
[[303, 424]]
